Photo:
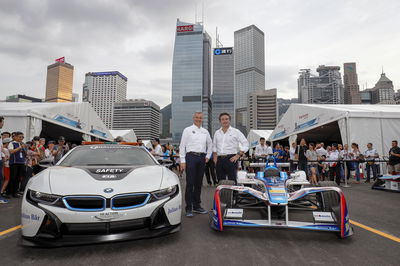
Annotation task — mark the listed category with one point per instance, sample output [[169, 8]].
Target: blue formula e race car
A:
[[267, 200]]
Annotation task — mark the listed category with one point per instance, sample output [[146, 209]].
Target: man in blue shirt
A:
[[17, 163]]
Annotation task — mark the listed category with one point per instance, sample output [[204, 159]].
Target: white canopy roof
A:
[[28, 117], [378, 124], [254, 136], [127, 134]]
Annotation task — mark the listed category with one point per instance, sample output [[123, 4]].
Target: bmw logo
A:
[[108, 190], [217, 51]]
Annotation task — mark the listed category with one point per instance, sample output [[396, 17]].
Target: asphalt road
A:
[[197, 244]]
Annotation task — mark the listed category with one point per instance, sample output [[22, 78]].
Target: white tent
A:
[[75, 121], [128, 135], [378, 124], [254, 136]]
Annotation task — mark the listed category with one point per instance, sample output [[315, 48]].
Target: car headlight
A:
[[44, 198], [166, 192]]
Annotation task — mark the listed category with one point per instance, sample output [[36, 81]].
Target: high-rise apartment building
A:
[[326, 88], [249, 70], [262, 110], [351, 87], [59, 82], [223, 85], [142, 116], [383, 92], [191, 77], [102, 90]]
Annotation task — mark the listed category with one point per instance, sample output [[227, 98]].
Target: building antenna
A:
[[218, 43], [383, 71]]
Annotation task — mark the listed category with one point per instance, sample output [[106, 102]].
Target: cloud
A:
[[137, 37]]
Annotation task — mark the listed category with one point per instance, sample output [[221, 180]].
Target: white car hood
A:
[[81, 181]]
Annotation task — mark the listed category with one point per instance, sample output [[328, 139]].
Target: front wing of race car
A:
[[389, 182], [233, 214]]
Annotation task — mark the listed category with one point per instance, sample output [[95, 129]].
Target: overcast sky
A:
[[136, 37]]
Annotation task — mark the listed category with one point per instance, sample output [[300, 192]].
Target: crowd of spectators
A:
[[19, 160], [334, 162]]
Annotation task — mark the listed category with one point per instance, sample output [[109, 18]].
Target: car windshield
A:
[[107, 155]]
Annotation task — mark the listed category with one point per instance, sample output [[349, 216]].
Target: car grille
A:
[[104, 228], [129, 201], [85, 203]]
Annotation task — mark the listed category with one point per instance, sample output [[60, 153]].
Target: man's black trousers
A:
[[226, 168], [210, 173], [195, 165], [17, 173]]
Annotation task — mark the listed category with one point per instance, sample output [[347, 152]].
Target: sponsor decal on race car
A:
[[234, 213], [111, 147], [174, 209], [109, 176], [110, 170], [323, 217], [32, 217]]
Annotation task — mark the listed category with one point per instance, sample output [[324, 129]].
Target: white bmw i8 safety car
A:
[[100, 193]]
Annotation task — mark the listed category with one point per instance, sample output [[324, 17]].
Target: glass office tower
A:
[[191, 77], [223, 85]]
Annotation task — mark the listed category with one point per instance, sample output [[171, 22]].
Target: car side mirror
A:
[[45, 163]]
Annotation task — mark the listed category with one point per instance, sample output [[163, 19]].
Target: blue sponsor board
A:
[[279, 134], [306, 124], [66, 120], [98, 132]]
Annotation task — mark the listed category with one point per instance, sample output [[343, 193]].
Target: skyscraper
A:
[[351, 87], [191, 77], [263, 110], [59, 81], [102, 90], [223, 85], [166, 122], [249, 70], [326, 88], [140, 115], [383, 92]]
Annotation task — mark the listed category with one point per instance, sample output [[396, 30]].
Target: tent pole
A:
[[347, 142]]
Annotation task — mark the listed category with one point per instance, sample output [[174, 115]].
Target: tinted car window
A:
[[107, 155]]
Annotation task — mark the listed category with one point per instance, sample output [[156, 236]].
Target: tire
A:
[[330, 201], [327, 184]]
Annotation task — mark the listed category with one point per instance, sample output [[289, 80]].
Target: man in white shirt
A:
[[2, 200], [262, 149], [370, 155], [229, 145], [334, 165], [157, 151], [320, 150], [195, 150]]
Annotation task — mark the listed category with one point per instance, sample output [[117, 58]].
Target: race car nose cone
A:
[[108, 190]]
